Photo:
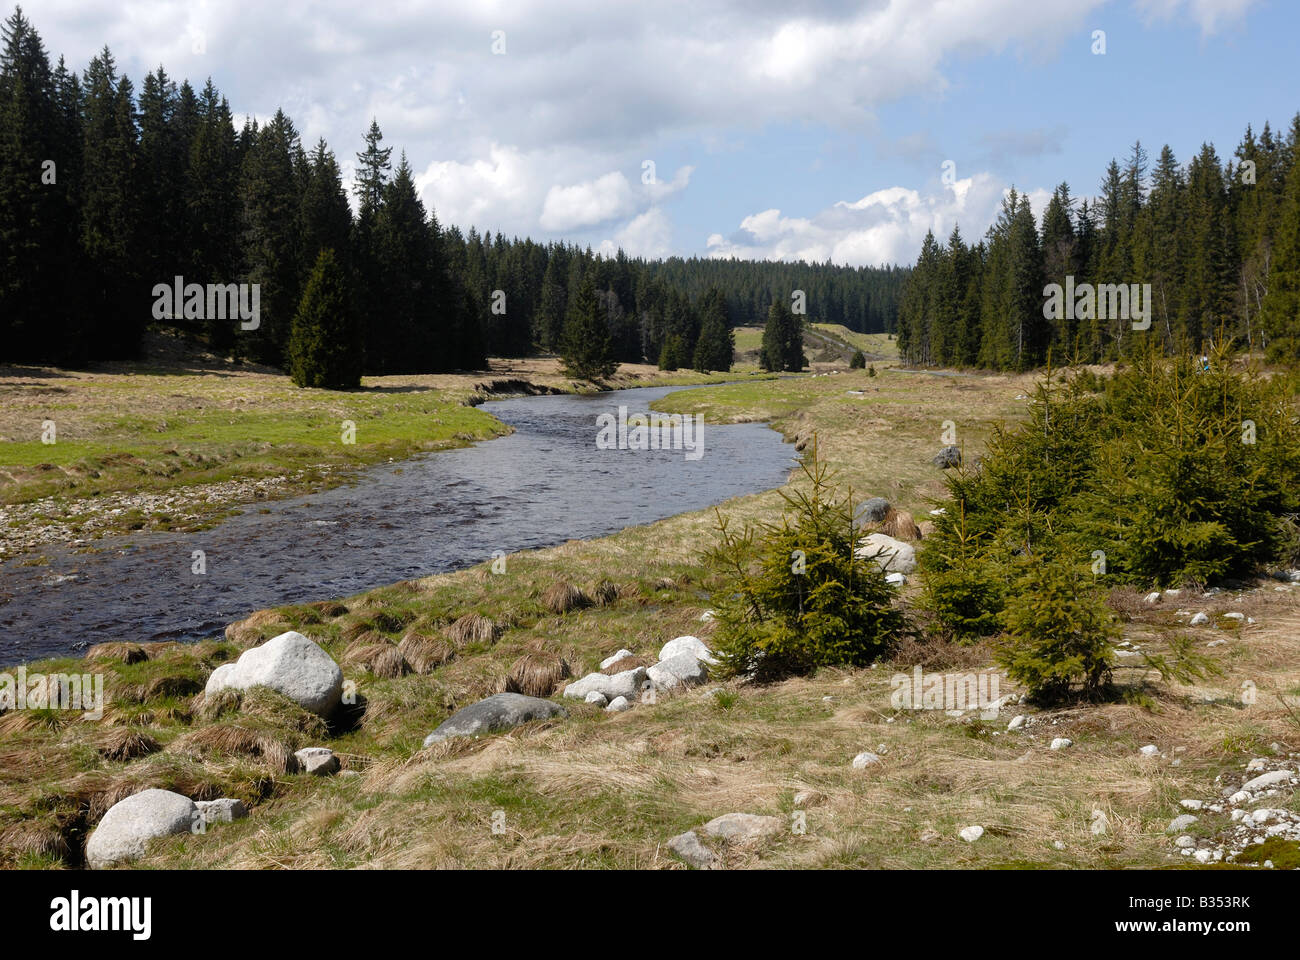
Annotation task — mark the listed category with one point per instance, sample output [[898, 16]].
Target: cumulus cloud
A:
[[883, 227]]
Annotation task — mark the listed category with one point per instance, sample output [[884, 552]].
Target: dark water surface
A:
[[544, 484]]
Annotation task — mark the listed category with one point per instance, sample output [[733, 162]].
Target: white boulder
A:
[[126, 829], [890, 555], [290, 664]]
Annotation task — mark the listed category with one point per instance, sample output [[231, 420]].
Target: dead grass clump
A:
[[537, 674], [900, 525], [939, 653], [628, 663], [235, 740], [356, 630], [34, 838], [209, 707], [425, 653], [250, 630], [561, 597], [118, 652], [665, 583], [364, 651], [605, 593], [278, 710], [389, 664], [473, 628], [329, 608], [20, 721], [126, 743]]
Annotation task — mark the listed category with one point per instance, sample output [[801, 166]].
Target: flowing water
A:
[[543, 484]]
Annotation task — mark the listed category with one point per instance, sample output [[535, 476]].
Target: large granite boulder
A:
[[290, 664]]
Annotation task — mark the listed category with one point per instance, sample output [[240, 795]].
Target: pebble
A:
[[971, 834]]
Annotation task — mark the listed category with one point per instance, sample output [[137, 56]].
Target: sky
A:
[[772, 129]]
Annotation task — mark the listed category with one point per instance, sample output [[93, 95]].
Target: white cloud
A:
[[883, 227], [1209, 15], [588, 204], [648, 234]]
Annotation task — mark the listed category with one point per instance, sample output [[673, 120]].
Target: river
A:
[[546, 483]]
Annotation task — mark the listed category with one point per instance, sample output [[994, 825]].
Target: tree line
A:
[[106, 193], [1217, 242]]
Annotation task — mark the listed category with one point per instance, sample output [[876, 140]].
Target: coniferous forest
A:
[[107, 190], [1217, 240]]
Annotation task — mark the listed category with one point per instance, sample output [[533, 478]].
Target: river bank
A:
[[178, 444]]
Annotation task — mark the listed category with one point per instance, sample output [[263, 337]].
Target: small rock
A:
[[895, 579], [1058, 844], [318, 760], [1100, 823], [1199, 619], [625, 684], [596, 697], [618, 705], [1181, 823], [949, 456], [1185, 841], [1060, 743], [890, 555], [971, 834], [1153, 597], [1241, 796], [1150, 750], [1234, 616], [742, 827], [223, 810], [1203, 856], [1016, 723], [615, 658], [865, 759], [1267, 780], [1191, 804], [687, 846]]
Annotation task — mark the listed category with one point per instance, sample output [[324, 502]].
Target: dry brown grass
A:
[[389, 664], [425, 653], [900, 525], [537, 674], [251, 629], [117, 652], [473, 628], [34, 838], [235, 740], [561, 597], [605, 593], [628, 663], [126, 743]]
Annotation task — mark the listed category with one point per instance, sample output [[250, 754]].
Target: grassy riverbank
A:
[[606, 790], [177, 443]]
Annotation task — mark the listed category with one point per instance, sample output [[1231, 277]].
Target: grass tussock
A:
[[34, 839], [537, 674], [605, 592], [628, 663], [237, 740], [126, 743], [562, 597], [900, 525], [473, 628], [389, 663], [117, 652], [425, 653]]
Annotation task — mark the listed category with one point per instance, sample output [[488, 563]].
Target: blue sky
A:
[[813, 129]]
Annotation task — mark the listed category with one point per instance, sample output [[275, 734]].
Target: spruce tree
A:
[[716, 346], [325, 343], [586, 349]]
